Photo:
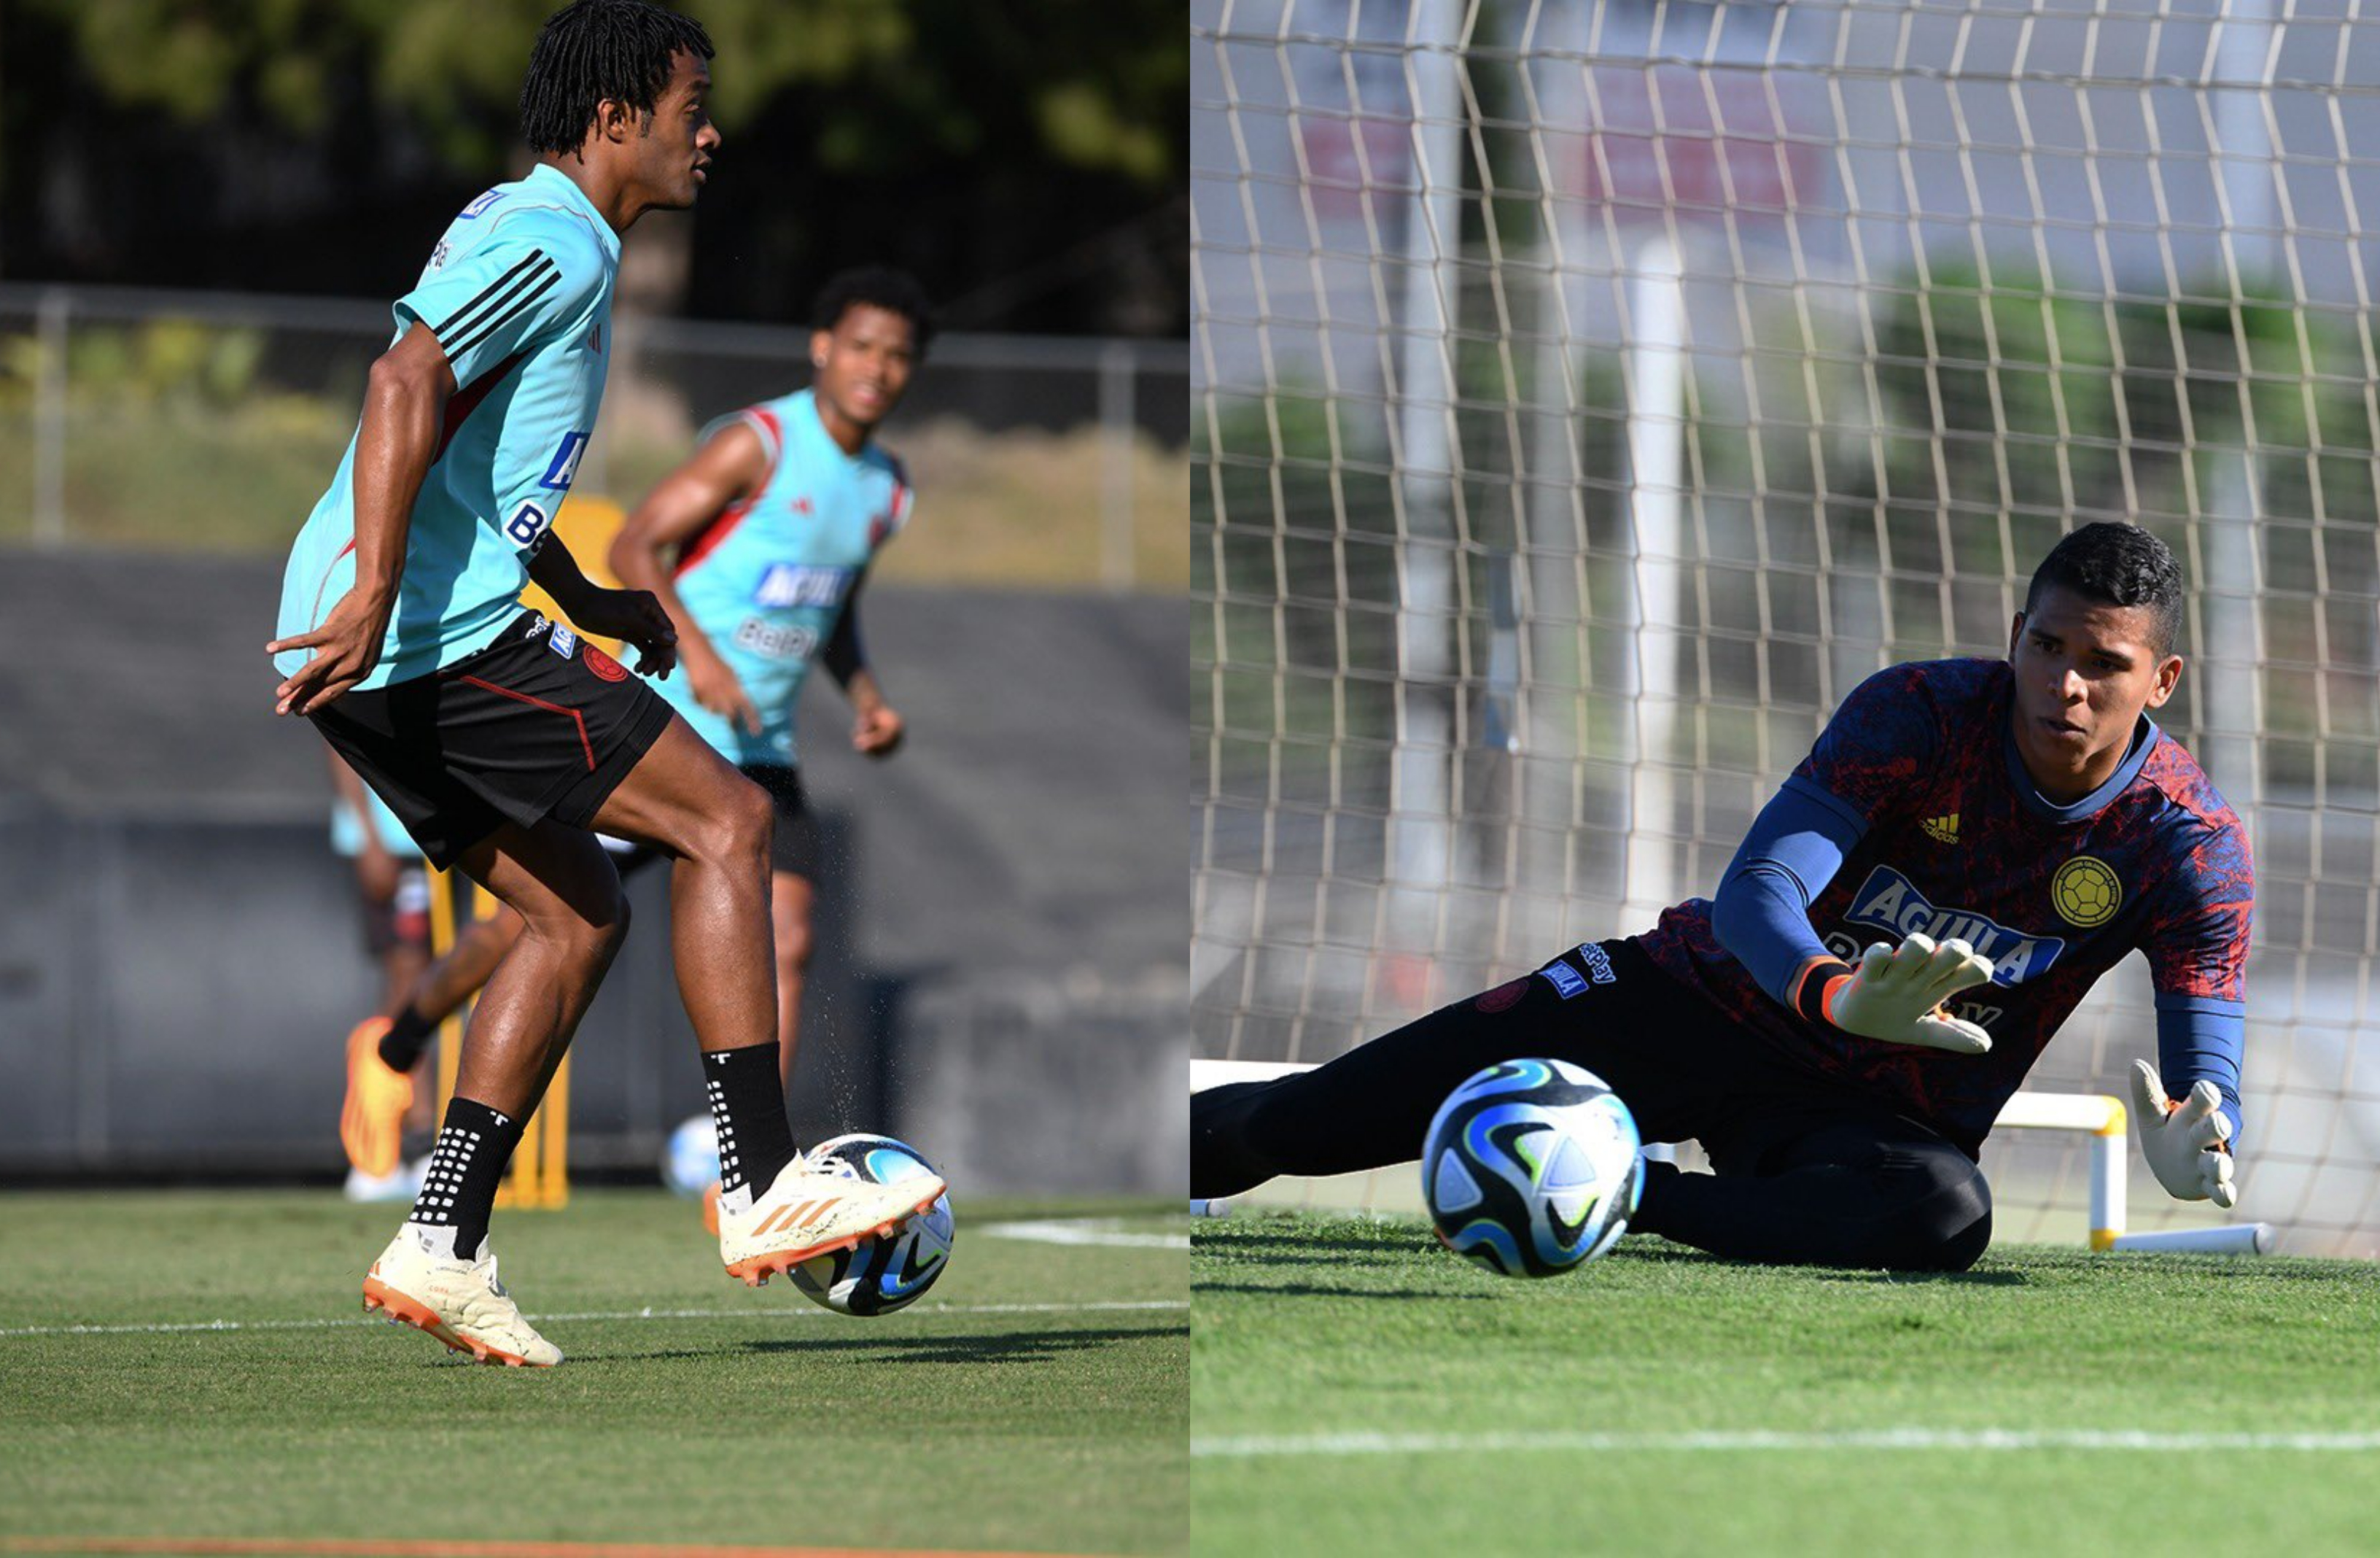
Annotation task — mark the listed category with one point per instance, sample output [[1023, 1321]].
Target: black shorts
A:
[[794, 845], [540, 723]]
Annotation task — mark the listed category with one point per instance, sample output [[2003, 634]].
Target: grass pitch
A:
[[1035, 1399], [1357, 1390]]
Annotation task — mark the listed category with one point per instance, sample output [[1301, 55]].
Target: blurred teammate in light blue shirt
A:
[[758, 547]]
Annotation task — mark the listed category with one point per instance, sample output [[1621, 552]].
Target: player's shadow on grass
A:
[[1321, 1246], [1036, 1346], [1662, 1252], [1331, 1290]]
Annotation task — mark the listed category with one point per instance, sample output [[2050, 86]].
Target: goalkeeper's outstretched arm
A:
[[1762, 913], [1762, 917]]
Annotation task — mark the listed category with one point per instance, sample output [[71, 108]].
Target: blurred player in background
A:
[[393, 886], [492, 732], [758, 547], [2018, 827]]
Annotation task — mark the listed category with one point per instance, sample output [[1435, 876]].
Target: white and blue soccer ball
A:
[[690, 1162], [889, 1272], [1532, 1168]]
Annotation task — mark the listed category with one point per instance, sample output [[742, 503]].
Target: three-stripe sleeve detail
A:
[[499, 303]]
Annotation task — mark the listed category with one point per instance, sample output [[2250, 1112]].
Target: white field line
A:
[[1255, 1446], [806, 1312], [1083, 1230]]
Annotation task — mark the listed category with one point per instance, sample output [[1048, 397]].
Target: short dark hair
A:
[[878, 286], [2117, 565], [591, 50]]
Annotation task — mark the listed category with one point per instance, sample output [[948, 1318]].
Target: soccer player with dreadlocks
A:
[[758, 547], [1968, 847], [500, 738]]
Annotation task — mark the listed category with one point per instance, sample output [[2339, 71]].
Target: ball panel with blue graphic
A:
[[880, 1275], [1532, 1167], [690, 1160]]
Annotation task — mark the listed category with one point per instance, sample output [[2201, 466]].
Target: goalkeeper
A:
[[1970, 845]]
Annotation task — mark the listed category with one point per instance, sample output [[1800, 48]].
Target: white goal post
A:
[[1588, 394]]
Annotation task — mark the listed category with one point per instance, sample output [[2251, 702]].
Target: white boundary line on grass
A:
[[1253, 1446], [1083, 1230], [807, 1313]]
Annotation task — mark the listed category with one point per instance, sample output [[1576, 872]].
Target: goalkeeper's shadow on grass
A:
[[1281, 1243], [1657, 1252]]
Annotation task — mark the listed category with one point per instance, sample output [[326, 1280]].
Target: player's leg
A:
[[442, 987], [560, 884], [404, 943], [440, 990], [372, 1118], [1372, 1105], [384, 1052], [793, 866], [775, 1211], [1847, 1189], [437, 1274], [686, 801]]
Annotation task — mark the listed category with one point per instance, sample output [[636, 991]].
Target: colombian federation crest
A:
[[2086, 892]]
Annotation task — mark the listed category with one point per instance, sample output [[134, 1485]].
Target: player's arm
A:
[[404, 402], [631, 616], [1888, 735], [2189, 1102], [1762, 917], [876, 727], [727, 470]]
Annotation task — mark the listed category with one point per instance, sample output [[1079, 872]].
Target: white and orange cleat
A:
[[806, 1213], [371, 1121], [460, 1302]]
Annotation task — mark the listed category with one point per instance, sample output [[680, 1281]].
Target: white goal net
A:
[[1589, 395]]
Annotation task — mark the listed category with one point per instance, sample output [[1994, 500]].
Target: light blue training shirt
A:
[[768, 579], [519, 293]]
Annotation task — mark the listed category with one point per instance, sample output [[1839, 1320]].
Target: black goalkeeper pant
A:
[[1805, 1172]]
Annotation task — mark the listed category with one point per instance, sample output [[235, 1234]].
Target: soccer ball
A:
[[690, 1162], [882, 1274], [1532, 1167]]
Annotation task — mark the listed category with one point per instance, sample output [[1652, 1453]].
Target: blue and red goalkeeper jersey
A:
[[1942, 831]]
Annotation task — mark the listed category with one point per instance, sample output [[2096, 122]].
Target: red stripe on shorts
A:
[[589, 747]]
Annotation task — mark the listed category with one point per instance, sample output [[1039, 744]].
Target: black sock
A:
[[400, 1047], [747, 1103], [459, 1191]]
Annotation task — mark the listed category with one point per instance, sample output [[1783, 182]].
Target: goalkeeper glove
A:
[[2184, 1141], [1896, 994]]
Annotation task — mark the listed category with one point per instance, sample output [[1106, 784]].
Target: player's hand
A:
[[1896, 994], [718, 689], [877, 732], [2184, 1142], [636, 619], [347, 646]]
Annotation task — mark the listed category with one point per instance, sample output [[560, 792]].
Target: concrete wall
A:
[[1003, 923]]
